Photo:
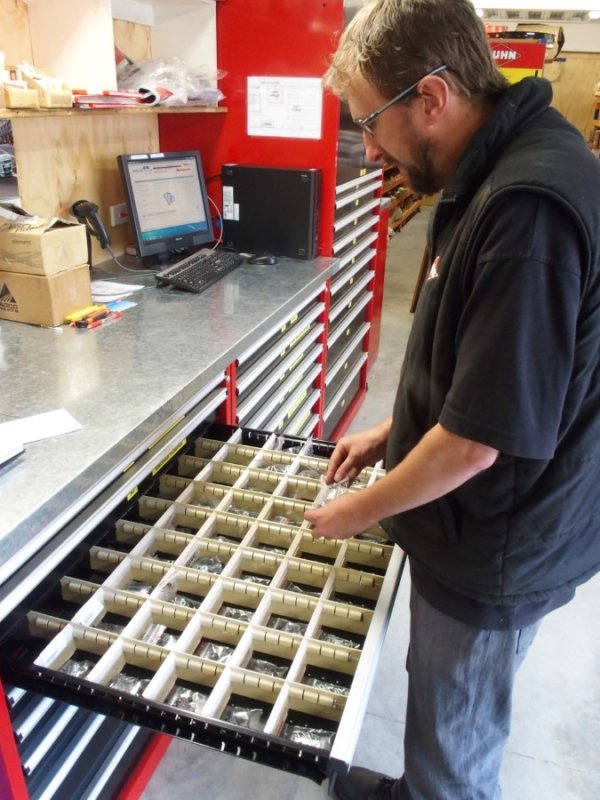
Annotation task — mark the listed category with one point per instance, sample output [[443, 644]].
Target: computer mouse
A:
[[264, 259]]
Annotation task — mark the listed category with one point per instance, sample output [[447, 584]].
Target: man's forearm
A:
[[439, 463]]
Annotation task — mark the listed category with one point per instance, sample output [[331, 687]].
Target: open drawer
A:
[[203, 608]]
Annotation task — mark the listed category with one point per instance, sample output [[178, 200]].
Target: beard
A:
[[421, 173]]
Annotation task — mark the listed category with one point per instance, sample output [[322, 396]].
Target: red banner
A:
[[520, 54]]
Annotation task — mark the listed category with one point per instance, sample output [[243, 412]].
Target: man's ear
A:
[[434, 95]]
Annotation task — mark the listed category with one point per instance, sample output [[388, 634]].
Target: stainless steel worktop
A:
[[121, 382]]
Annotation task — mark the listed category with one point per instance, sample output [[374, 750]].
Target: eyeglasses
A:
[[366, 122]]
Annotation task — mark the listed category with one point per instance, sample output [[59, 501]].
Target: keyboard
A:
[[200, 270]]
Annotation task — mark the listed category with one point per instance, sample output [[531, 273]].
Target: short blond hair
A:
[[392, 43]]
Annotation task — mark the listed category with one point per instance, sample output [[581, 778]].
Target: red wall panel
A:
[[286, 38]]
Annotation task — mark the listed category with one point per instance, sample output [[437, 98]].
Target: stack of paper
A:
[[121, 98], [9, 448]]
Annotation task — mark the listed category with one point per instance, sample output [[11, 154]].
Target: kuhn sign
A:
[[504, 55]]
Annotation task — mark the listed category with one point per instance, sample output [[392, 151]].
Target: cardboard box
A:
[[17, 96], [38, 245], [52, 92], [555, 37], [44, 300]]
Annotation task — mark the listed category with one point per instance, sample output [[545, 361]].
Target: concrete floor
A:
[[553, 752]]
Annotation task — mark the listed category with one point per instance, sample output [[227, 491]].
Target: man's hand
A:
[[341, 518], [353, 453]]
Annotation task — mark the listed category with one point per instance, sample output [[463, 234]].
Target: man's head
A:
[[430, 56]]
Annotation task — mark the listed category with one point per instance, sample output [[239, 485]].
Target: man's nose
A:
[[372, 150]]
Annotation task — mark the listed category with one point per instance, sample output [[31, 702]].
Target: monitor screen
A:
[[167, 202]]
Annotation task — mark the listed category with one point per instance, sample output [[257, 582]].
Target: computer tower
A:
[[271, 210]]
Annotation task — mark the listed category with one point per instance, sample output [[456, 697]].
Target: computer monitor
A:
[[167, 202]]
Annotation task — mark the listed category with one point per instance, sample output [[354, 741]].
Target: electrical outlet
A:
[[118, 214]]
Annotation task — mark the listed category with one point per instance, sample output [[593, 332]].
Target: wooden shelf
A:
[[397, 180], [14, 113], [397, 201], [406, 215], [407, 196]]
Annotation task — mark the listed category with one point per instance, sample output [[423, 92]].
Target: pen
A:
[[96, 315], [84, 313], [112, 316]]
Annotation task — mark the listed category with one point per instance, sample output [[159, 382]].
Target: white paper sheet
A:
[[39, 426], [9, 448], [285, 107], [105, 291]]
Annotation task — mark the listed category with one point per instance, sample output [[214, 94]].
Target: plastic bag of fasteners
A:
[[166, 591], [312, 737], [333, 638], [214, 652], [242, 512], [294, 587], [157, 634], [329, 492], [281, 468], [212, 564], [231, 612], [139, 587], [129, 684], [187, 699], [184, 601], [78, 669], [281, 520], [251, 577], [267, 667], [372, 537], [244, 717], [309, 472], [287, 625], [109, 627], [327, 686]]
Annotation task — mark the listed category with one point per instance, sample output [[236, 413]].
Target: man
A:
[[493, 448]]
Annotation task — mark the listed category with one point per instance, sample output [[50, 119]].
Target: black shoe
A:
[[363, 784]]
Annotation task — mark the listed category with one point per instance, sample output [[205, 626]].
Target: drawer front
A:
[[355, 327], [282, 405], [268, 378], [345, 316], [348, 294], [203, 608], [346, 195], [296, 414], [350, 238], [354, 214], [339, 370], [348, 275], [290, 329], [64, 750], [338, 404], [352, 254]]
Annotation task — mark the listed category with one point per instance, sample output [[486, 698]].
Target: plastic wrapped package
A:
[[187, 699], [129, 683], [76, 668], [245, 717], [169, 83], [312, 737]]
